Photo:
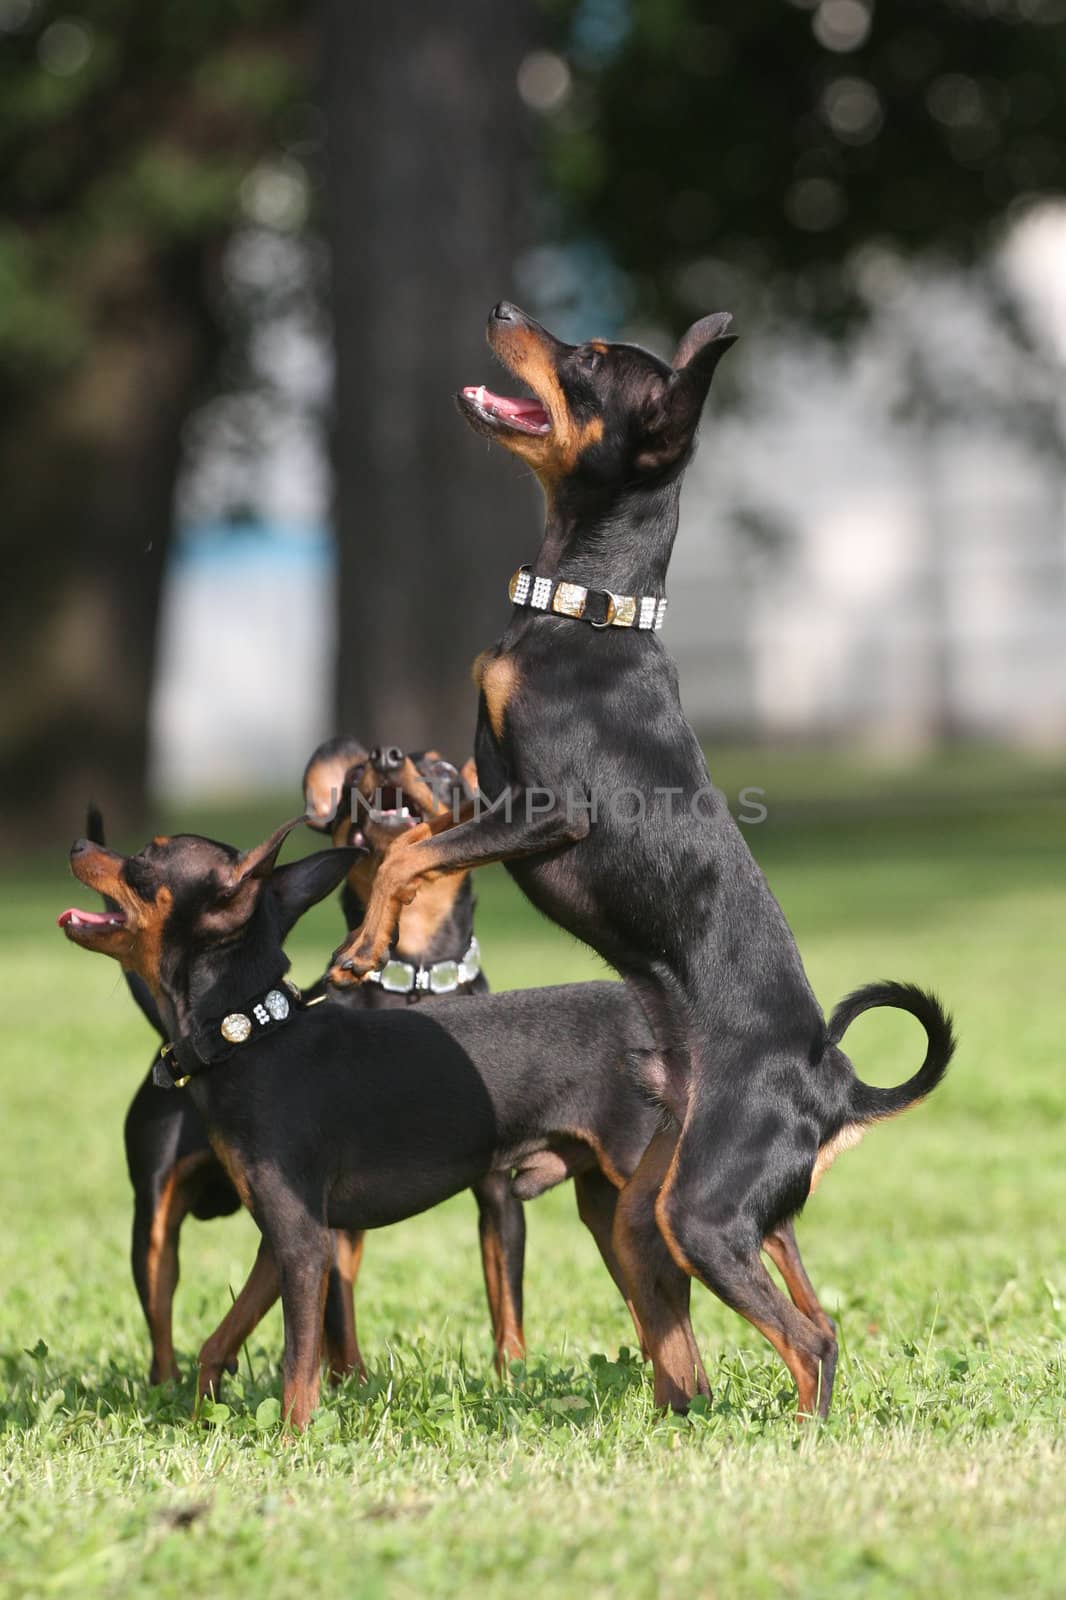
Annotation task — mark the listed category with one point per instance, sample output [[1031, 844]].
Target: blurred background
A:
[[247, 249]]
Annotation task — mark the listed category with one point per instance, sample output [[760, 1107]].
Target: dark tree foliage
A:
[[772, 142], [126, 133]]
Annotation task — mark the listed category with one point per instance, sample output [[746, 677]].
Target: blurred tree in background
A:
[[428, 206], [731, 150], [127, 135], [754, 154]]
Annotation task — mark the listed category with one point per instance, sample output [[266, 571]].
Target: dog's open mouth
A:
[[390, 806], [79, 925], [503, 411]]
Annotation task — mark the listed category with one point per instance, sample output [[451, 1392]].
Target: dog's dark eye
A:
[[589, 360], [140, 877]]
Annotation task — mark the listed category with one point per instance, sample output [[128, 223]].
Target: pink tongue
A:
[[519, 409], [94, 918]]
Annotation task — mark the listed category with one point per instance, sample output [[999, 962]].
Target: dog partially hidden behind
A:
[[173, 1169]]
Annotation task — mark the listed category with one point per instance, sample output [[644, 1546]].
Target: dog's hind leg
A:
[[340, 1342], [502, 1231], [658, 1286], [780, 1245], [597, 1205], [706, 1212], [157, 1220]]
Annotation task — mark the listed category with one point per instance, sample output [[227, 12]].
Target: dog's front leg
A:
[[516, 826], [220, 1351], [304, 1259]]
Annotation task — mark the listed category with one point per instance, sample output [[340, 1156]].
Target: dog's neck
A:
[[620, 540], [205, 982]]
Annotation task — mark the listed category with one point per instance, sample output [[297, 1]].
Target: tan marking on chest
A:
[[420, 920], [497, 678], [848, 1137]]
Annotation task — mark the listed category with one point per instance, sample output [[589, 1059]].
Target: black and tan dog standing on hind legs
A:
[[578, 709]]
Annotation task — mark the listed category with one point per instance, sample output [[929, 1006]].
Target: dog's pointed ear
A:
[[302, 884], [704, 345], [324, 779], [259, 862], [675, 414], [238, 894]]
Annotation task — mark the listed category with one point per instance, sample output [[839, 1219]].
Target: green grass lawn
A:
[[940, 1245]]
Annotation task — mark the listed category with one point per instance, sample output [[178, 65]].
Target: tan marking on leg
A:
[[669, 1237], [597, 1206], [805, 1370], [783, 1251], [658, 1285], [221, 1349], [345, 1358], [164, 1366], [161, 1263], [506, 1328], [603, 1159]]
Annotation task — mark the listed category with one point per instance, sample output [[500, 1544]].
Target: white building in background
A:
[[842, 573], [244, 680]]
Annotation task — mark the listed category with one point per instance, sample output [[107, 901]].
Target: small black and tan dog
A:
[[324, 1118], [173, 1169], [579, 702]]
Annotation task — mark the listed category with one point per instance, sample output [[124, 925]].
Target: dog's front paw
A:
[[352, 962]]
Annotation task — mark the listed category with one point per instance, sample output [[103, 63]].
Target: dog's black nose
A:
[[504, 311], [80, 846], [388, 759]]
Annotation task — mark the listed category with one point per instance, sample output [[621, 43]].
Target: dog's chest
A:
[[497, 677]]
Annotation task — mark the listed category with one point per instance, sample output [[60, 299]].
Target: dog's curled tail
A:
[[139, 990], [869, 1103]]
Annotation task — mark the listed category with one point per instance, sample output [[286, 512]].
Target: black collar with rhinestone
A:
[[602, 608], [217, 1038]]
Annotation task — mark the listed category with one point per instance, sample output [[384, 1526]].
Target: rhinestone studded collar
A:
[[601, 608], [218, 1038], [439, 977]]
